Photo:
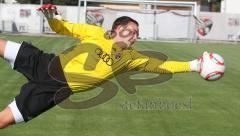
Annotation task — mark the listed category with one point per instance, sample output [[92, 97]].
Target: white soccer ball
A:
[[212, 66]]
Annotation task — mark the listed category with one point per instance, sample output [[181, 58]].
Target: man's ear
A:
[[119, 28]]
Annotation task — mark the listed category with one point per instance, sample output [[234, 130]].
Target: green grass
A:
[[215, 106]]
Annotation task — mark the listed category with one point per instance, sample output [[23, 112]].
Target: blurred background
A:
[[159, 20]]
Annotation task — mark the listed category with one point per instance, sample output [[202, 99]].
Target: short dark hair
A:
[[124, 20]]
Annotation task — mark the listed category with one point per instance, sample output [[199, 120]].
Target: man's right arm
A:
[[66, 28], [61, 26]]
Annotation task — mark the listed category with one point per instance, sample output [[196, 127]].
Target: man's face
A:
[[127, 34]]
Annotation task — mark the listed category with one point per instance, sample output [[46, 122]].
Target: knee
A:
[[5, 120], [3, 124], [2, 47]]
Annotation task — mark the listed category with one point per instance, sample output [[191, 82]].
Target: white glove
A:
[[195, 65], [50, 12]]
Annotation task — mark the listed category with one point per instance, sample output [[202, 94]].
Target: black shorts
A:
[[42, 91]]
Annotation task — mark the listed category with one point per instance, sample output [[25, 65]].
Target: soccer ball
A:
[[212, 66]]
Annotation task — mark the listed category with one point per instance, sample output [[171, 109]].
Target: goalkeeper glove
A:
[[196, 65], [50, 11]]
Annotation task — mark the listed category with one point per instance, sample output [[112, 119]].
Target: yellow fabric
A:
[[97, 58]]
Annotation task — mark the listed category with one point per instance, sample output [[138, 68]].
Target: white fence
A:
[[19, 18], [25, 18], [155, 25], [169, 25], [225, 26]]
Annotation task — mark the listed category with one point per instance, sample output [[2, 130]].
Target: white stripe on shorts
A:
[[11, 51], [16, 113]]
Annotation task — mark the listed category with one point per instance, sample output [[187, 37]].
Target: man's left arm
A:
[[149, 64], [160, 66]]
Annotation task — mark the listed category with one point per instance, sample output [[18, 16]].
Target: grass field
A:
[[191, 106]]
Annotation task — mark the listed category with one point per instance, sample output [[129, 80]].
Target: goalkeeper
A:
[[51, 78]]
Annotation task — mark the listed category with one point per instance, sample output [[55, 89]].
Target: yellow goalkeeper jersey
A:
[[96, 58]]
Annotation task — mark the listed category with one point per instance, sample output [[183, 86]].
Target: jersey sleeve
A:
[[80, 31], [148, 64]]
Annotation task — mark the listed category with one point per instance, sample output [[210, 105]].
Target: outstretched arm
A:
[[146, 63], [159, 66], [64, 27]]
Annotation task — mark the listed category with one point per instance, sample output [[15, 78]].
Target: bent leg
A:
[[2, 47], [6, 118], [9, 51], [10, 115]]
